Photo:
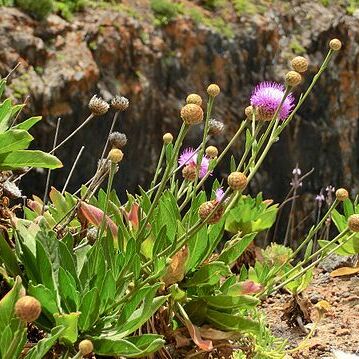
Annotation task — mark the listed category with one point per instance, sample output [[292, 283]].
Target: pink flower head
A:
[[219, 194], [189, 158], [267, 96]]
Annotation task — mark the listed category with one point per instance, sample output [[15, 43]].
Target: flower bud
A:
[[335, 44], [117, 139], [353, 222], [237, 181], [293, 78], [213, 90], [167, 138], [98, 106], [28, 308], [212, 151], [192, 114], [120, 103], [300, 64], [85, 347], [341, 194], [189, 172], [215, 127], [249, 112], [115, 155], [194, 98], [207, 208]]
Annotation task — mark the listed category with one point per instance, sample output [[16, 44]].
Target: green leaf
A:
[[27, 124], [234, 248], [45, 344], [28, 158], [230, 302], [231, 322], [7, 256], [70, 298], [14, 344], [132, 347], [13, 140], [45, 297], [69, 321], [5, 114], [2, 86], [208, 274], [89, 308]]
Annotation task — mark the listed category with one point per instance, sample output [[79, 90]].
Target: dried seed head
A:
[[248, 111], [215, 127], [4, 175], [353, 222], [207, 208], [28, 308], [213, 90], [167, 138], [264, 114], [115, 155], [85, 347], [335, 44], [91, 235], [341, 194], [212, 151], [189, 172], [117, 139], [293, 78], [300, 64], [237, 181], [120, 103], [98, 106], [11, 190], [195, 99], [192, 114]]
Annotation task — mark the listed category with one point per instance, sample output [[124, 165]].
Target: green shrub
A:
[[66, 8], [165, 11], [39, 8]]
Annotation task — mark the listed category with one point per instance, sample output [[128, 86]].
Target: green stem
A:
[[158, 169]]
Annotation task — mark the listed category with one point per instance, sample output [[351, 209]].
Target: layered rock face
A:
[[107, 53]]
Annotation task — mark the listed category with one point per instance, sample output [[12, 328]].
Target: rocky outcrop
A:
[[106, 52]]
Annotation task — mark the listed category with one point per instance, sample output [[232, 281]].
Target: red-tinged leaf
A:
[[177, 268], [215, 334], [95, 216], [34, 206], [246, 287], [133, 215]]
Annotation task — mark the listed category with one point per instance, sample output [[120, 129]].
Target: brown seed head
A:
[[264, 114], [28, 308], [115, 155], [341, 194], [248, 111], [237, 181], [98, 106], [215, 127], [353, 222], [167, 138], [120, 103], [212, 151], [194, 98], [293, 78], [85, 347], [335, 44], [192, 114], [213, 90], [207, 208], [300, 64], [189, 172], [117, 139]]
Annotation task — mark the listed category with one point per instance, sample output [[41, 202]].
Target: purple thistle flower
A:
[[266, 98], [189, 158], [219, 194]]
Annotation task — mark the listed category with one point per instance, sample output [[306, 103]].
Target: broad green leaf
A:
[[132, 347], [89, 308], [231, 322], [28, 158], [13, 348], [7, 256], [45, 344], [45, 297], [230, 302], [70, 298], [27, 124], [208, 274], [13, 140], [69, 321], [5, 114]]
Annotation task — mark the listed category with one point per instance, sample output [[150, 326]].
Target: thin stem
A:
[[12, 71], [158, 168], [49, 171], [72, 169], [114, 120]]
